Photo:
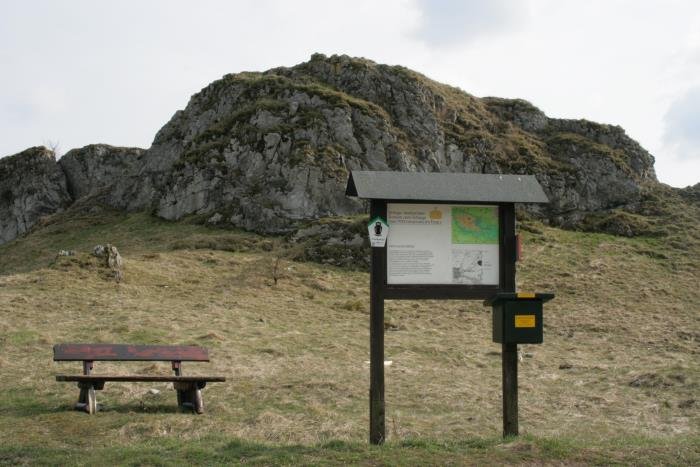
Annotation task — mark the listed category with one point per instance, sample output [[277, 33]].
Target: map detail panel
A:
[[467, 267], [474, 225], [475, 264]]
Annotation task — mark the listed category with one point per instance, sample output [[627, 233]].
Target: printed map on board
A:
[[467, 266], [474, 225]]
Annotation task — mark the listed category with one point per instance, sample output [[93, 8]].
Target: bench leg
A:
[[87, 400], [184, 398], [82, 399], [184, 394], [189, 395], [92, 401], [198, 403]]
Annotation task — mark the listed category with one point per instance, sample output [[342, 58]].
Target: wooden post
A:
[[509, 249], [509, 352], [509, 355], [377, 425]]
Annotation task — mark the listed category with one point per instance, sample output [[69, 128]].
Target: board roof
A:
[[439, 186]]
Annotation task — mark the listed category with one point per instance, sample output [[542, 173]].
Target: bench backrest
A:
[[117, 352]]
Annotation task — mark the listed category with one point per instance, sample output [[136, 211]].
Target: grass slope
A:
[[616, 380]]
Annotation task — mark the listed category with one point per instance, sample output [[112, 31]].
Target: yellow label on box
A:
[[524, 321], [525, 295]]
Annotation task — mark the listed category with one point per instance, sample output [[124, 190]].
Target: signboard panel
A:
[[448, 244]]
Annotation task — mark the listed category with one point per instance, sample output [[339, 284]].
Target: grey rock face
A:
[[266, 162], [102, 169], [32, 185], [518, 111], [268, 151], [691, 193], [612, 140]]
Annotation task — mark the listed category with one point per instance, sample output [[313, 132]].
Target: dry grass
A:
[[620, 358]]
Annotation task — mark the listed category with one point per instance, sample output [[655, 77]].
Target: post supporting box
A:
[[517, 319]]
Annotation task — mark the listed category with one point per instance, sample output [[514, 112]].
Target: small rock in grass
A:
[[215, 219], [153, 391], [686, 404], [649, 380]]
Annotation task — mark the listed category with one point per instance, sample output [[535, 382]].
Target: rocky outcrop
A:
[[691, 193], [265, 150], [102, 169], [269, 151], [32, 185]]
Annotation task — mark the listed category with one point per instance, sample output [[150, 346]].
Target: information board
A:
[[443, 244]]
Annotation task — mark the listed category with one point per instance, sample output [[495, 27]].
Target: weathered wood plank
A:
[[143, 378], [126, 352]]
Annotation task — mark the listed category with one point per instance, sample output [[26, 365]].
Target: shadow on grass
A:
[[149, 408], [25, 403]]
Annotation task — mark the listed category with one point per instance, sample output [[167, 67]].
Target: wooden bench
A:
[[189, 388]]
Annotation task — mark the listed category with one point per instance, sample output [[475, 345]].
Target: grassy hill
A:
[[616, 381]]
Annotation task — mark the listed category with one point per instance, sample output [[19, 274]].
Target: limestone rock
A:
[[102, 169], [518, 111], [691, 193], [271, 151], [32, 186], [114, 262]]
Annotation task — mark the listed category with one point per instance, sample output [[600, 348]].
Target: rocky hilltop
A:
[[266, 151], [32, 185]]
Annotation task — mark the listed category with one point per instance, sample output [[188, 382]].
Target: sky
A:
[[79, 72]]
